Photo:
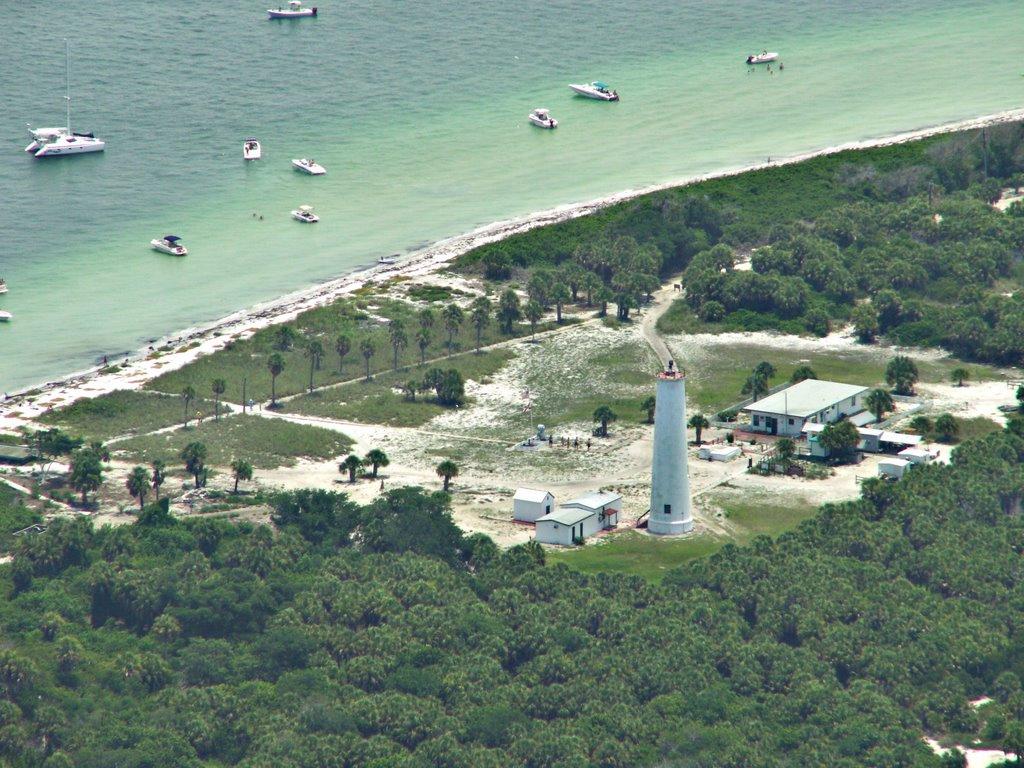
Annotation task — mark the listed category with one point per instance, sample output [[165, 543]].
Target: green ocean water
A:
[[418, 111]]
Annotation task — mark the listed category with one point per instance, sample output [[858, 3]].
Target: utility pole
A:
[[244, 401]]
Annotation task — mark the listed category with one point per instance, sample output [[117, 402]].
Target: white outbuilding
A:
[[579, 518], [893, 468], [718, 452], [916, 455], [529, 504]]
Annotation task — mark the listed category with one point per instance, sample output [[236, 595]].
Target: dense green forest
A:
[[901, 240], [381, 636]]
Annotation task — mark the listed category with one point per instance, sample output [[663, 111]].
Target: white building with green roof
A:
[[809, 401]]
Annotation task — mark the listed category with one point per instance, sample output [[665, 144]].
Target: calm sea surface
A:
[[418, 111]]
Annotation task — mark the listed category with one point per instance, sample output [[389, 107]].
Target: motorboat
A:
[[293, 11], [595, 90], [388, 259], [764, 57], [305, 214], [542, 118], [5, 317], [251, 150], [54, 142], [170, 244], [309, 166], [3, 285]]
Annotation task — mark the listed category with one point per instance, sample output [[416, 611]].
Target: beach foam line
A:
[[210, 337]]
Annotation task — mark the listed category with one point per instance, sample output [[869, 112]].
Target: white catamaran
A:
[[55, 142]]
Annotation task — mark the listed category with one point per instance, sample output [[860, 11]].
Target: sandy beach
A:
[[135, 370]]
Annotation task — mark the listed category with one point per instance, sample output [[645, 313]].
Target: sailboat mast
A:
[[67, 82]]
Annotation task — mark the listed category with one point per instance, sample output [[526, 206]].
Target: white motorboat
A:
[[305, 214], [595, 90], [251, 150], [388, 259], [293, 11], [764, 57], [309, 166], [3, 285], [542, 118], [54, 142], [170, 244], [5, 316]]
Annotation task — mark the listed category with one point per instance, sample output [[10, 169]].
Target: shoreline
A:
[[138, 368]]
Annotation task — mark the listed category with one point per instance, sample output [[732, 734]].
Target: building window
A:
[[547, 510], [668, 509], [757, 421], [791, 422]]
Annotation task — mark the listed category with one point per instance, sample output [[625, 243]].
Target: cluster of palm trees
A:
[[141, 480], [375, 459]]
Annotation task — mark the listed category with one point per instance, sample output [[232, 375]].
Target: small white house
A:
[[893, 468], [579, 518], [529, 504]]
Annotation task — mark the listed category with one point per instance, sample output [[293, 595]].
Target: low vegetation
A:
[[127, 412], [265, 442]]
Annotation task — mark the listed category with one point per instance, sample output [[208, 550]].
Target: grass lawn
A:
[[764, 516], [124, 413], [640, 554], [267, 443], [365, 318], [377, 401], [636, 554]]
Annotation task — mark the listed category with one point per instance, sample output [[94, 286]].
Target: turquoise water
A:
[[418, 112]]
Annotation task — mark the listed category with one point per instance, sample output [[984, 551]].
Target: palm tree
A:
[[946, 428], [901, 374], [426, 319], [275, 364], [188, 395], [452, 316], [765, 370], [959, 376], [481, 316], [534, 312], [409, 388], [376, 458], [559, 294], [423, 341], [447, 469], [219, 388], [194, 456], [399, 340], [242, 470], [604, 415], [879, 402], [138, 484], [315, 353], [648, 407], [591, 282], [159, 475], [342, 345], [784, 450], [351, 464], [803, 373], [508, 311], [699, 422], [367, 350]]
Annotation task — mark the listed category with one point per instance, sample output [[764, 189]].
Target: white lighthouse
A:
[[670, 475]]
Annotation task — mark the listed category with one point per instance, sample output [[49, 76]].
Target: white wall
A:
[[529, 511], [550, 532]]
